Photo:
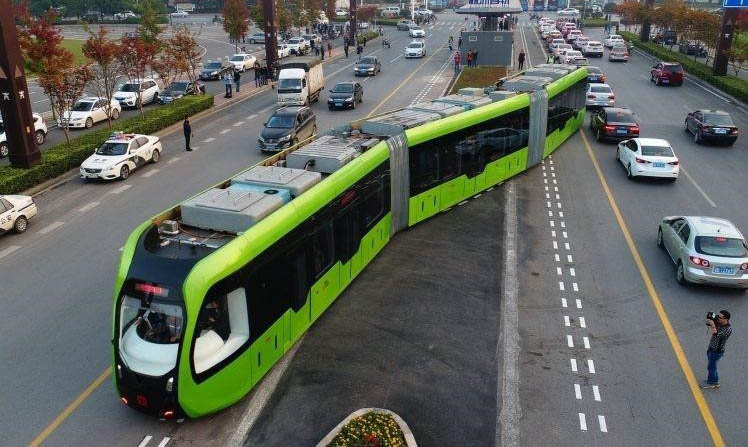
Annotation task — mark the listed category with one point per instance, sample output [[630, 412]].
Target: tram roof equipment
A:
[[328, 153]]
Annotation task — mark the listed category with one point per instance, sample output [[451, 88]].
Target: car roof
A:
[[118, 137], [289, 110], [89, 98], [714, 112], [599, 85], [705, 225], [653, 142], [344, 82]]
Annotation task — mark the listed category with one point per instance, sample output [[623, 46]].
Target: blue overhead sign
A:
[[734, 3]]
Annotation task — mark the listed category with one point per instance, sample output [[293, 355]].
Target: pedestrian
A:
[[550, 59], [329, 50], [364, 41], [187, 128], [257, 75], [457, 61], [721, 330], [469, 58], [359, 50], [521, 59], [345, 47], [244, 49], [237, 80], [450, 43], [475, 58], [459, 42], [227, 79]]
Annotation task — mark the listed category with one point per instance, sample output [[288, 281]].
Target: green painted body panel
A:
[[452, 192], [423, 206], [265, 351], [555, 139], [325, 290], [561, 84]]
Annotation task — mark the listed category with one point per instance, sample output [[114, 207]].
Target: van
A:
[[391, 11]]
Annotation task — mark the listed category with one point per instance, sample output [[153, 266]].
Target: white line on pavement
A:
[[596, 392], [603, 425], [574, 365], [393, 60], [8, 251], [239, 123], [209, 140], [577, 391], [120, 189], [688, 176], [174, 160], [145, 441], [561, 285], [88, 207], [581, 319], [582, 422], [252, 116], [586, 341], [150, 172], [51, 227], [164, 442], [591, 366], [567, 321], [570, 341], [563, 302], [225, 131], [579, 303], [572, 272]]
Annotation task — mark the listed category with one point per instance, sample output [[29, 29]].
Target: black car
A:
[[345, 95], [177, 89], [366, 66], [286, 127], [613, 123], [711, 125], [213, 70], [594, 74]]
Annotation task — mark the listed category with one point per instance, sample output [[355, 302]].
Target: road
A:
[[58, 276], [584, 297]]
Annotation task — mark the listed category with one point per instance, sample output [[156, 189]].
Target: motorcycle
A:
[[385, 43]]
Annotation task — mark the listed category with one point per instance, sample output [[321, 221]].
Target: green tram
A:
[[211, 293]]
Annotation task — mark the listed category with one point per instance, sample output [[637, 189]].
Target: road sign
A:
[[735, 3]]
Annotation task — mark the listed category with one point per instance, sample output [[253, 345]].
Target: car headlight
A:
[[213, 73], [349, 99], [284, 139], [330, 100]]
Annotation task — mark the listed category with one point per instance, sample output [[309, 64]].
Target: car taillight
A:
[[612, 97], [734, 131], [609, 128], [744, 266], [674, 163], [701, 262], [604, 78], [634, 129], [641, 160]]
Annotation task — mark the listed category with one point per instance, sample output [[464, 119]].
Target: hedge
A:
[[597, 23], [370, 35], [383, 22], [732, 85], [62, 158]]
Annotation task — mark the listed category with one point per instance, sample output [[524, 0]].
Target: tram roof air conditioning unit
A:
[[327, 154]]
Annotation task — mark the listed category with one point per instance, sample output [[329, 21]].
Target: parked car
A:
[[124, 15], [572, 35], [416, 31], [314, 40], [404, 25], [121, 154], [595, 75], [705, 250], [213, 70], [257, 38], [178, 89], [613, 40], [15, 212], [613, 123], [40, 132], [345, 95], [592, 48], [711, 125], [600, 95], [667, 73], [580, 42], [367, 65], [297, 45], [648, 157], [286, 127], [569, 56], [415, 49], [180, 13], [341, 12], [242, 61], [362, 25], [693, 47], [133, 93], [283, 50], [618, 53], [568, 12], [88, 111]]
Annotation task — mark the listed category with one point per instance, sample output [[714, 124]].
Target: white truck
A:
[[300, 81]]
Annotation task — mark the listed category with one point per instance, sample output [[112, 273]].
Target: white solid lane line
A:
[[603, 425], [393, 60], [145, 441], [51, 227], [122, 188], [711, 202], [88, 207], [8, 251]]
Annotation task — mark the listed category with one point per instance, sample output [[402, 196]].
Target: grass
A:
[[478, 77], [75, 46]]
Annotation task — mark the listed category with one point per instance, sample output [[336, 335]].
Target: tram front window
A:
[[150, 332]]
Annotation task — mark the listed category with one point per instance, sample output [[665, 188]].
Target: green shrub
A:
[[62, 158], [597, 23], [370, 35], [732, 85]]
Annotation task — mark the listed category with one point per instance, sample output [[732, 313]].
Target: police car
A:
[[15, 212], [120, 155]]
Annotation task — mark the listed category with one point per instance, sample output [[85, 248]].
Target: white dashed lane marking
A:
[[591, 366], [88, 207], [577, 391], [239, 124], [51, 227], [8, 251], [225, 131], [150, 172], [596, 392], [209, 140], [120, 189], [582, 422], [603, 425], [174, 160], [145, 441]]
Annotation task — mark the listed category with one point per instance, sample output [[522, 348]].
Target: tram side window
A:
[[448, 158], [560, 110], [222, 328], [347, 232], [322, 250], [424, 168], [372, 207], [269, 292]]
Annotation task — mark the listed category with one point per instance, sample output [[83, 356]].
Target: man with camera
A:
[[719, 325]]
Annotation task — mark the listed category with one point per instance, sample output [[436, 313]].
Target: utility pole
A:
[[271, 34], [724, 43], [15, 100], [352, 20]]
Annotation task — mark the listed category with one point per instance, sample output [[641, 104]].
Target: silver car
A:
[[705, 250]]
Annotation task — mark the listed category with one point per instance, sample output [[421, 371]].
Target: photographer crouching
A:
[[719, 326]]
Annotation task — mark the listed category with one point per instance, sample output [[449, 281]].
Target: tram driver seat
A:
[[210, 348]]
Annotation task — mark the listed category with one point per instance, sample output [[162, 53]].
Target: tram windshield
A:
[[153, 322]]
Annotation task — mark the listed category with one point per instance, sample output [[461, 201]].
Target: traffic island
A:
[[483, 76], [370, 427]]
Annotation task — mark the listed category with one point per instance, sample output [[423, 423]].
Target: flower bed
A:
[[370, 427], [483, 76], [62, 158]]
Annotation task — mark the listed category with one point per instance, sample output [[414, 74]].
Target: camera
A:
[[711, 316]]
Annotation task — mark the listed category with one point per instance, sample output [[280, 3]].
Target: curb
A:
[[410, 440]]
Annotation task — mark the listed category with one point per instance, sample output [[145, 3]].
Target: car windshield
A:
[[237, 58], [213, 65], [129, 87], [416, 28], [343, 88], [414, 45], [83, 106], [594, 44], [714, 119], [293, 41], [657, 151], [720, 246], [368, 60], [178, 87], [280, 122], [112, 149], [289, 85], [152, 321], [600, 89]]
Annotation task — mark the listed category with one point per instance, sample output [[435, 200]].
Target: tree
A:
[[258, 15], [705, 29], [185, 46], [739, 49], [283, 17], [311, 11], [75, 8], [40, 40], [149, 31], [64, 87], [134, 56], [235, 20], [330, 8], [102, 50], [366, 13], [632, 12]]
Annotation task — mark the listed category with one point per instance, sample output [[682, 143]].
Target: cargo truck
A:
[[300, 81]]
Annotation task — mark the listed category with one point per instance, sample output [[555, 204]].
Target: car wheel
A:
[[680, 274], [659, 238], [353, 106], [40, 137], [618, 154], [3, 150], [155, 156], [89, 123], [124, 172], [294, 142], [658, 81], [21, 224], [115, 114], [629, 174], [685, 126], [697, 137]]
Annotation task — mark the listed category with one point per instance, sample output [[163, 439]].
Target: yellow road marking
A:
[[698, 396], [70, 409]]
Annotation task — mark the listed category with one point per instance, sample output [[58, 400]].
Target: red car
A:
[[667, 73]]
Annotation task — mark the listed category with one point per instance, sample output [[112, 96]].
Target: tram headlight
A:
[[119, 371], [169, 384]]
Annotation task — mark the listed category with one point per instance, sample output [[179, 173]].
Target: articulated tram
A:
[[210, 294]]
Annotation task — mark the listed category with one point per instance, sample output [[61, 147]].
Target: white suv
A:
[[613, 40], [88, 111], [415, 49], [120, 155], [131, 93], [40, 131]]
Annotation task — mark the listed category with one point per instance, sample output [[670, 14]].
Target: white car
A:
[[313, 39], [415, 49], [648, 157], [570, 55], [40, 131], [120, 155], [593, 48], [613, 40], [572, 35], [600, 95], [123, 15], [297, 45], [580, 42], [88, 111], [179, 13], [363, 25], [242, 61], [15, 212], [283, 50], [341, 12], [560, 48], [416, 31], [568, 12], [131, 93]]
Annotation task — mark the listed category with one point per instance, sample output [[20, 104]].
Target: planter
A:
[[407, 434]]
